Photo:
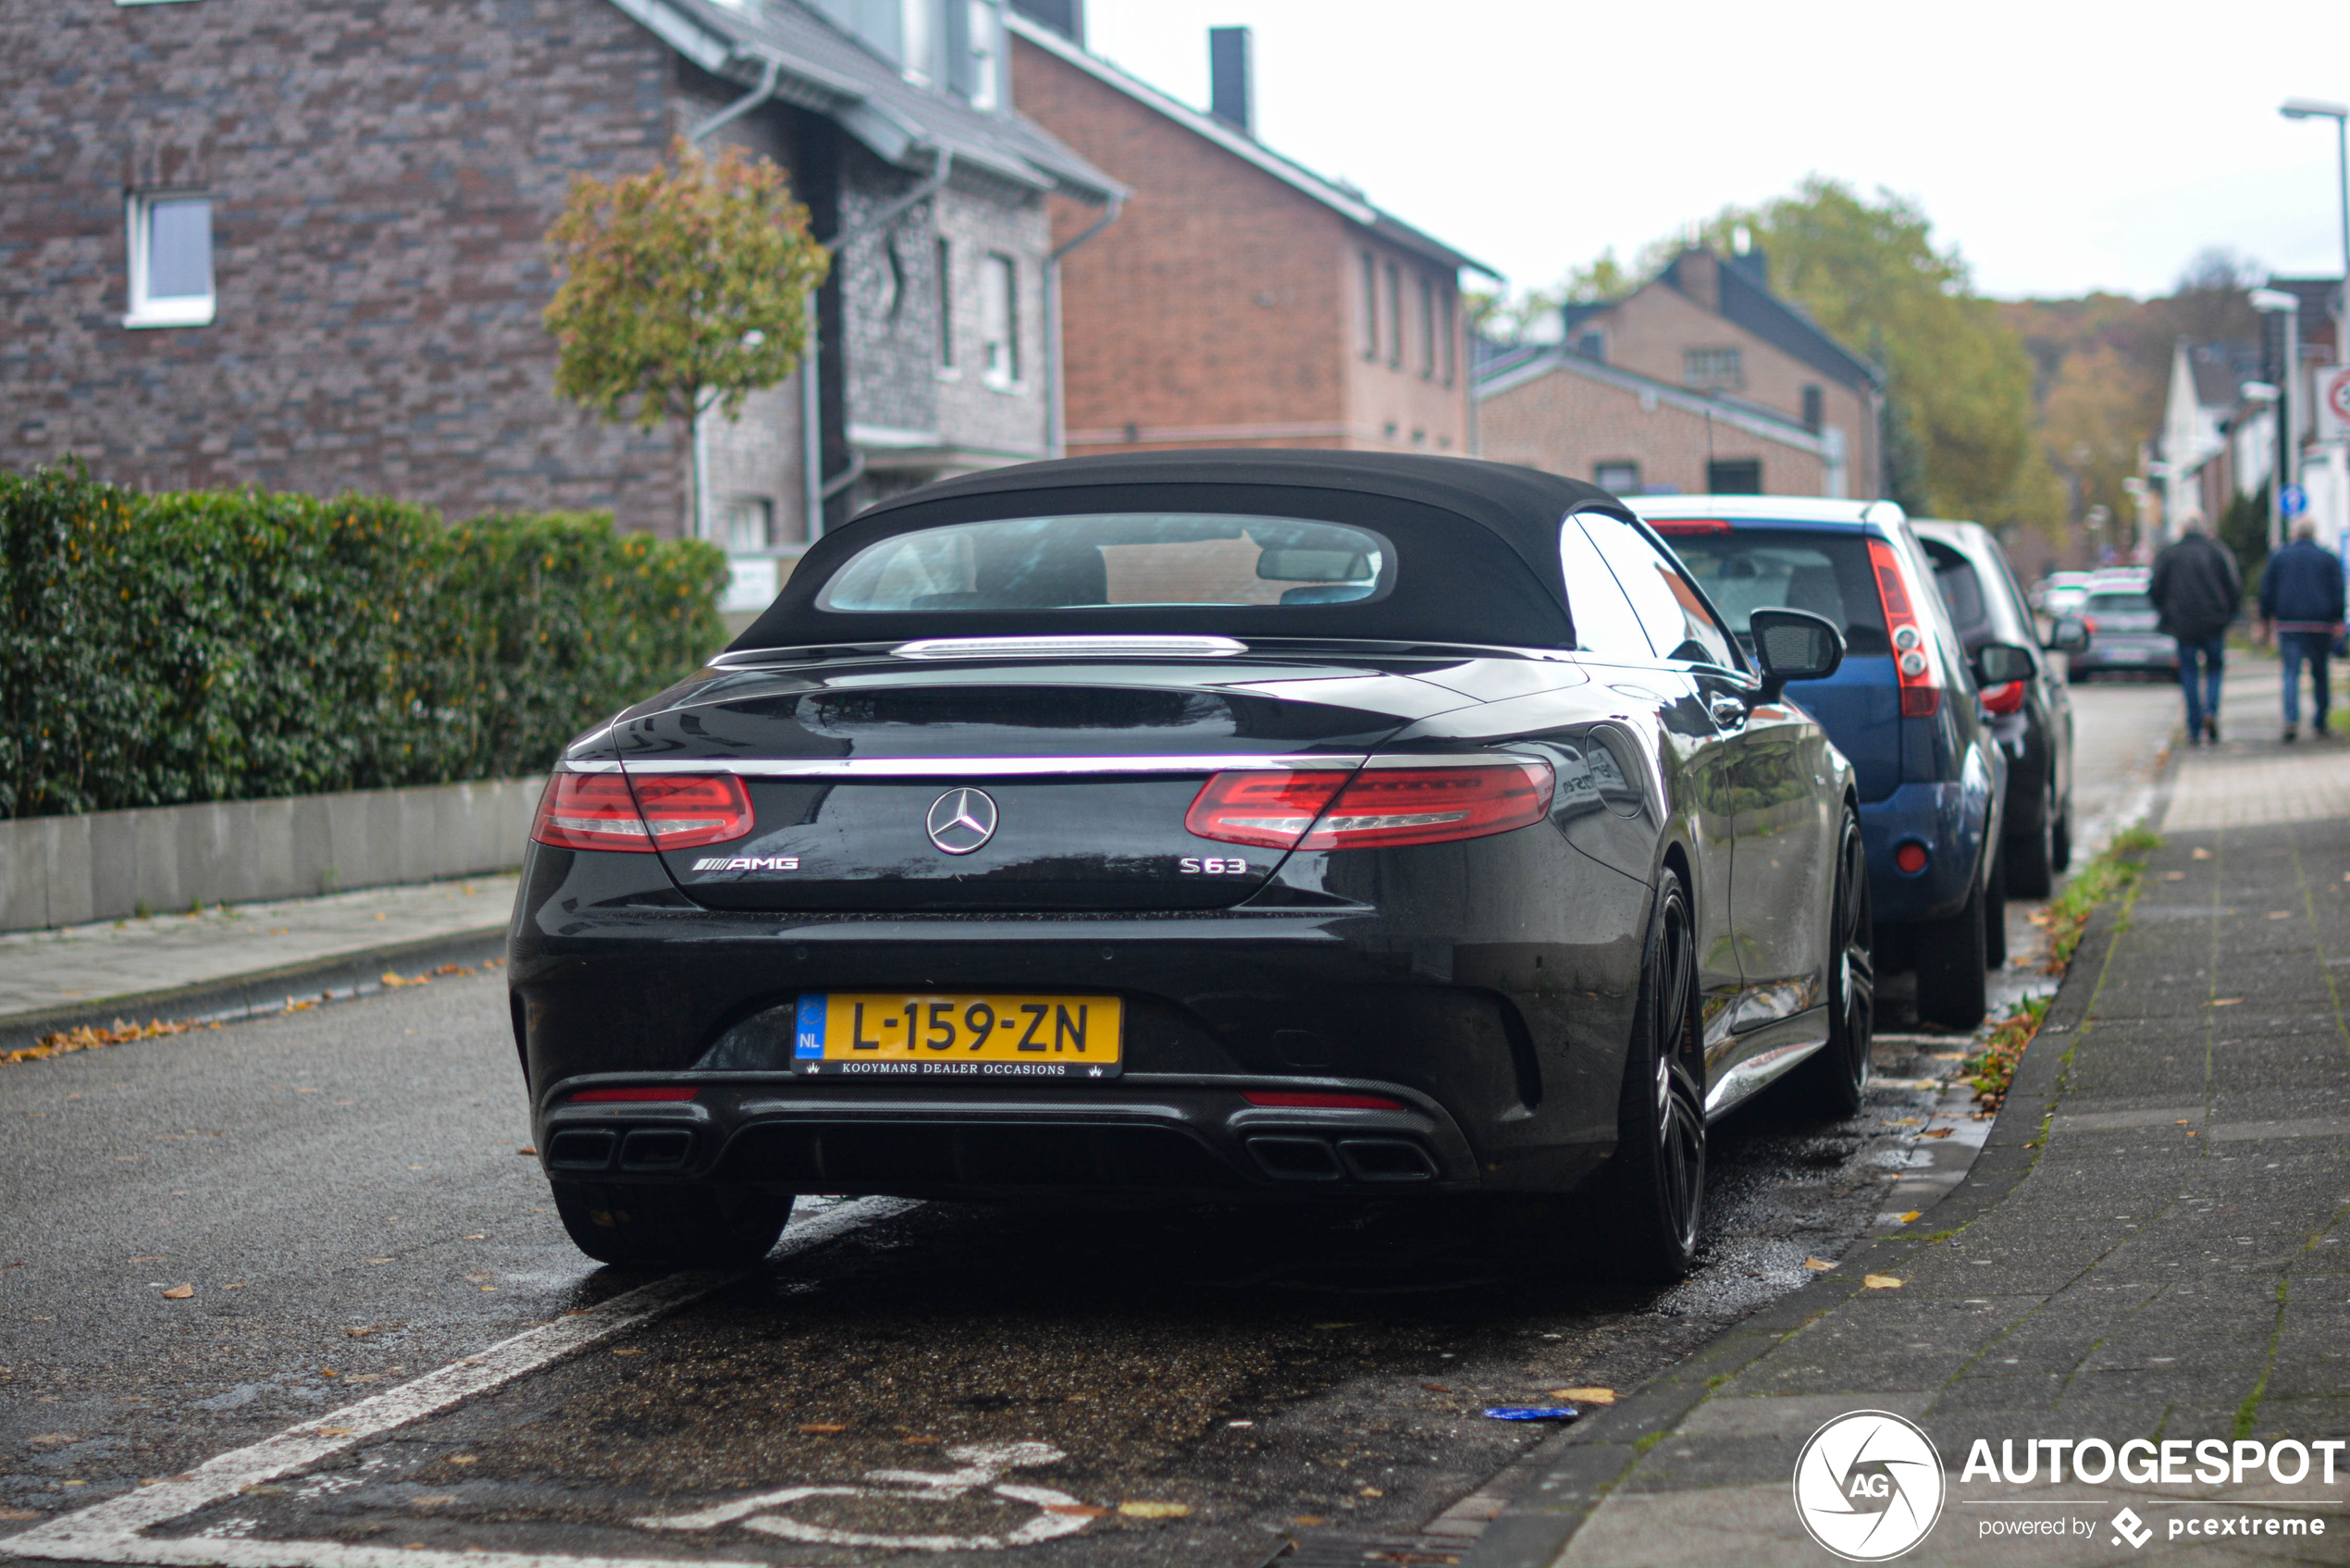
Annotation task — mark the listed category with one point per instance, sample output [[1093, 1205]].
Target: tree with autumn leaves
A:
[[684, 288]]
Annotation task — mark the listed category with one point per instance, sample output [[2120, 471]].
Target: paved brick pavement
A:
[[2151, 1245]]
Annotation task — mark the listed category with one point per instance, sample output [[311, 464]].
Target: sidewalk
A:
[[2149, 1246], [240, 955]]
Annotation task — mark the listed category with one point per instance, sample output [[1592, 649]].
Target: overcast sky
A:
[[2063, 145]]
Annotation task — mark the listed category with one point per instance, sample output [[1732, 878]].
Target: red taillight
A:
[[602, 811], [630, 1096], [1911, 857], [1920, 688], [1691, 526], [1272, 808], [1382, 805], [1288, 1100], [2005, 698], [2089, 624]]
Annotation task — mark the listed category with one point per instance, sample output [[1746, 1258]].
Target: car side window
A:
[[1672, 613], [1605, 624]]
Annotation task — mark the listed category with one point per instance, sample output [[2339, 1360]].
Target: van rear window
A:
[[1750, 569]]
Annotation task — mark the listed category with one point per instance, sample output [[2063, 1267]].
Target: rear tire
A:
[[1832, 1082], [1653, 1196], [2031, 858], [1953, 991], [701, 1225]]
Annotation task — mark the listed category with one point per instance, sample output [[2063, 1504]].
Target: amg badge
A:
[[748, 863]]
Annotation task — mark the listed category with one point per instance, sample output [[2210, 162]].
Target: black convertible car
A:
[[1200, 825]]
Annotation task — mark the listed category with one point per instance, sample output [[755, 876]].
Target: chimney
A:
[[1231, 86], [1697, 273]]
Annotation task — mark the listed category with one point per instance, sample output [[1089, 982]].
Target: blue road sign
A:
[[2293, 500]]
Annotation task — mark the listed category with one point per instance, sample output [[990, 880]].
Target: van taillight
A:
[[2005, 698], [639, 816], [1391, 801], [1912, 661]]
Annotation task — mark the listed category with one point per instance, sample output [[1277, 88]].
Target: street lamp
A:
[[2287, 468], [2316, 108], [2259, 394]]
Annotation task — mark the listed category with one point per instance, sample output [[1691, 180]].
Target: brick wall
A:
[[1221, 308], [1567, 424], [1010, 422], [382, 175]]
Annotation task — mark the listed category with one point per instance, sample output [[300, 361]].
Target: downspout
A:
[[727, 115], [1056, 392], [815, 491]]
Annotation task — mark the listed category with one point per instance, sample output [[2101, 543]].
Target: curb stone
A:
[[1553, 1489]]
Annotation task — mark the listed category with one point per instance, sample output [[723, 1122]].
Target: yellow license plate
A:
[[884, 1035]]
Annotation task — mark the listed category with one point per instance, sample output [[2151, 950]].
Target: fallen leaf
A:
[[481, 1238], [629, 1349], [328, 1372], [1436, 1388], [337, 1432], [1306, 1521], [920, 1439], [1585, 1396], [17, 1515], [178, 1292], [2227, 1001], [1880, 1282], [54, 1438], [2180, 1122], [2202, 854], [1905, 1219], [1154, 1510], [1373, 1491], [823, 1427], [2280, 914], [1936, 1132], [359, 1333], [464, 1458], [2174, 876], [1819, 1265], [1904, 1121], [1329, 1326], [378, 1260], [238, 1286], [1075, 1510], [526, 1149]]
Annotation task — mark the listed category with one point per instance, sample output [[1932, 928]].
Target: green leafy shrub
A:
[[161, 648]]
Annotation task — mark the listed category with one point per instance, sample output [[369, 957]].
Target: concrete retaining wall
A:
[[63, 871]]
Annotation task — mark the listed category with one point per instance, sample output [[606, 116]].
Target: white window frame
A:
[[180, 310], [1004, 376]]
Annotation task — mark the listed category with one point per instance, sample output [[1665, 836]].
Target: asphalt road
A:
[[341, 1189]]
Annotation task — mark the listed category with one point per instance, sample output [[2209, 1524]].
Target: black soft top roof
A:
[[1498, 580]]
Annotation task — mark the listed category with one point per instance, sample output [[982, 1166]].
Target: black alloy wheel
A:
[[1655, 1194], [1833, 1080], [2031, 858], [704, 1225], [1953, 988]]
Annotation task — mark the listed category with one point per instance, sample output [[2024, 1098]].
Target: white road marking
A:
[[109, 1531], [1057, 1514]]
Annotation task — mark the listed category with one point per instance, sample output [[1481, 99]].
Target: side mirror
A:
[[2071, 635], [1794, 645], [1997, 664]]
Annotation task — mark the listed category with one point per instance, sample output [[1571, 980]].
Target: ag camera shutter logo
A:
[[1869, 1486]]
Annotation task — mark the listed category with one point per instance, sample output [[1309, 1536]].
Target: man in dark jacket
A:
[[2197, 589], [2301, 601]]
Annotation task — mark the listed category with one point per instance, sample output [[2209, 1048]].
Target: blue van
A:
[[1902, 708]]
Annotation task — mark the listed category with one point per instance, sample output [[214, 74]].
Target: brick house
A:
[[1559, 410], [274, 243], [1241, 300], [1701, 381]]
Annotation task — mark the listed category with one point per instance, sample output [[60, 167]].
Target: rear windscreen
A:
[[1113, 559], [1750, 569], [2118, 604]]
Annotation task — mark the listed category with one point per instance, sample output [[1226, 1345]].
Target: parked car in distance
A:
[[2060, 593], [2032, 717], [2120, 621], [1902, 708], [1226, 826]]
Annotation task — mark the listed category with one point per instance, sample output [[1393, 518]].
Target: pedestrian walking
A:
[[2197, 589], [2301, 605]]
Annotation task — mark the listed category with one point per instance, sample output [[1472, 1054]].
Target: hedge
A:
[[215, 646]]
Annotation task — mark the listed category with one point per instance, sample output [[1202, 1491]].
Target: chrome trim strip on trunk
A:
[[1108, 646], [976, 767]]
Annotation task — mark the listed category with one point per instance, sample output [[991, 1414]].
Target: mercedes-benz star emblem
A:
[[962, 821]]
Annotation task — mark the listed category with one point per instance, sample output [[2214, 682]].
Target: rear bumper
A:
[[1949, 821], [1148, 1134]]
